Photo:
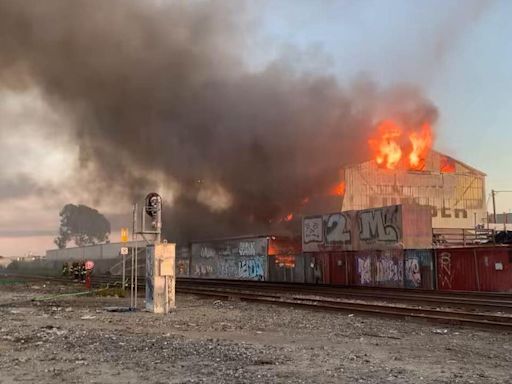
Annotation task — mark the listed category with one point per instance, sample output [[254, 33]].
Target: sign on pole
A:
[[124, 251], [124, 235]]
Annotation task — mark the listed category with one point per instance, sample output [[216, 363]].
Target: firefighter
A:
[[83, 272], [65, 269], [75, 271]]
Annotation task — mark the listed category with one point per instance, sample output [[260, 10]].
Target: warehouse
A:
[[454, 191]]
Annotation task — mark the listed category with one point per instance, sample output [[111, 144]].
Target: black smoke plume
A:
[[156, 86]]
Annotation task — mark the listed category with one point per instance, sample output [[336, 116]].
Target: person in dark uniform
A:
[[75, 271], [65, 269]]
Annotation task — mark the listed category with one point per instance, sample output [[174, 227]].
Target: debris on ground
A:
[[206, 340]]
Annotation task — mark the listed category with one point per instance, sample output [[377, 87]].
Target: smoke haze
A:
[[159, 94]]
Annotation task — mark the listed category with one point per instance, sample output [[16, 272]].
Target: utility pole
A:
[[493, 194]]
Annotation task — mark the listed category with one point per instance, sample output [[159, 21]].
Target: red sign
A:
[[89, 264]]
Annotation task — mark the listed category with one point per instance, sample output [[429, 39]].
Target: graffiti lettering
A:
[[203, 270], [373, 226], [247, 248], [388, 270], [412, 272], [227, 268], [445, 270], [251, 269], [182, 267], [313, 230], [337, 229], [207, 252], [364, 270]]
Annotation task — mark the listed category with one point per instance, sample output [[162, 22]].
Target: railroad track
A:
[[442, 305], [468, 300], [381, 309]]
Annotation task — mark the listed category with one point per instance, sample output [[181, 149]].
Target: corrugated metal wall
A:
[[92, 252], [454, 198], [474, 269]]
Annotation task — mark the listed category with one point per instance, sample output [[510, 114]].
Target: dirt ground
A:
[[75, 340]]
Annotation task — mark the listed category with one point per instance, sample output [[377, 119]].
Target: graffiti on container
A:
[[313, 232], [203, 270], [364, 270], [251, 269], [149, 279], [388, 270], [247, 248], [376, 224], [207, 252], [337, 229], [413, 272], [182, 267], [227, 268], [445, 270]]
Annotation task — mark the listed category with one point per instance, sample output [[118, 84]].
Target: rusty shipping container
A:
[[456, 269], [494, 269], [474, 269]]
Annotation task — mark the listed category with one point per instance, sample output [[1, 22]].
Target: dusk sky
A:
[[458, 52]]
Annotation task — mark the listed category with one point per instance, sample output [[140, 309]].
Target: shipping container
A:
[[456, 269], [360, 266], [244, 259], [183, 261], [316, 269], [390, 227], [338, 268], [376, 268], [418, 269], [494, 269], [286, 268]]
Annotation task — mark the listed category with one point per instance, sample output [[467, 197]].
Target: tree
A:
[[83, 225]]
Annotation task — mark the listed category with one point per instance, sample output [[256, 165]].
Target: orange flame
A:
[[390, 144], [386, 146], [288, 217], [447, 165], [421, 144], [338, 189]]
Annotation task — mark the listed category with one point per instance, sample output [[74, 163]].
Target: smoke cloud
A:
[[162, 89]]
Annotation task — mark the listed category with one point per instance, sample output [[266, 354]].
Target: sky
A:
[[458, 52]]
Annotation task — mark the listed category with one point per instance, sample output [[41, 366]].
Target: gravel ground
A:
[[75, 340]]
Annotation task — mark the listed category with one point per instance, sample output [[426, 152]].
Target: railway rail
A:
[[480, 309]]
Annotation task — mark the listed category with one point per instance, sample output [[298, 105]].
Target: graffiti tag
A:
[[313, 230], [247, 248], [203, 270], [251, 269], [207, 252], [374, 226], [445, 270], [364, 270], [413, 272], [388, 270], [337, 229]]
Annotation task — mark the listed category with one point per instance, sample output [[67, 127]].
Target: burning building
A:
[[405, 169]]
